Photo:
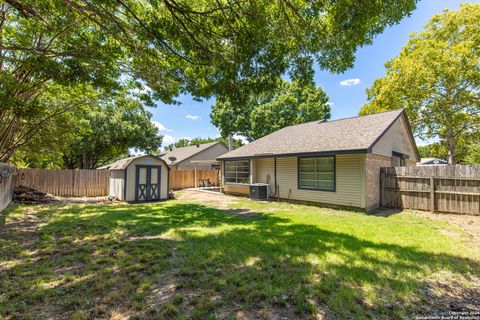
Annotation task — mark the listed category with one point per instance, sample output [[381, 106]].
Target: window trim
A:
[[318, 189], [237, 183], [402, 158]]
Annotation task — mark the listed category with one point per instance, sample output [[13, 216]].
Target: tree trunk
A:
[[6, 155], [68, 163], [86, 160], [450, 139]]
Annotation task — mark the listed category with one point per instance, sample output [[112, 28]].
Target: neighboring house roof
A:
[[184, 153], [350, 135], [124, 163], [432, 161]]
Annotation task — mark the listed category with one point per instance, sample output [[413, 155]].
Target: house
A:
[[431, 162], [199, 156], [333, 162], [139, 178]]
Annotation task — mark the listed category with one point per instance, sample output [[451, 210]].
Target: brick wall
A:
[[373, 163]]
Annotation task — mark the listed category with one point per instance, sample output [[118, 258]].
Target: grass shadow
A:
[[93, 261]]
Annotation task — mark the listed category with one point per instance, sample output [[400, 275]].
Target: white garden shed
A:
[[139, 178]]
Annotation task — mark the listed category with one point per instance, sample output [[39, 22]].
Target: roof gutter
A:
[[298, 154]]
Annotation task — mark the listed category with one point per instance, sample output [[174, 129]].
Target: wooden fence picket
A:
[[454, 189]]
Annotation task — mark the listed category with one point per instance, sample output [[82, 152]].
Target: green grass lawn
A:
[[181, 259]]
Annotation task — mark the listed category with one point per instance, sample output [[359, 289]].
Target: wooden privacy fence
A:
[[66, 183], [7, 184], [181, 179], [95, 183], [453, 189]]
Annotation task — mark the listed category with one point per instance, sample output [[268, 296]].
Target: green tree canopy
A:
[[91, 135], [206, 48], [108, 130], [436, 78], [288, 104], [236, 143], [466, 151]]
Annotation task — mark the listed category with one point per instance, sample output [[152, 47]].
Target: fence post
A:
[[382, 186], [432, 194]]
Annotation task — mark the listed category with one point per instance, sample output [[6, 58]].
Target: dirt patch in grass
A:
[[469, 224], [221, 201], [242, 213], [446, 295], [83, 200]]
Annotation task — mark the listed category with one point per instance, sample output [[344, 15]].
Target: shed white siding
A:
[[396, 139], [116, 184]]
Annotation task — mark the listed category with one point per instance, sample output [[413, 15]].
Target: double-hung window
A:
[[317, 173], [237, 171]]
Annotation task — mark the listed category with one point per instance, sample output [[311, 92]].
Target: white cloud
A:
[[423, 142], [145, 89], [350, 82], [186, 138], [329, 104], [244, 140], [168, 139], [189, 116], [161, 126], [217, 133]]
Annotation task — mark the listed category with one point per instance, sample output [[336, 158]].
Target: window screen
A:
[[317, 173], [237, 171]]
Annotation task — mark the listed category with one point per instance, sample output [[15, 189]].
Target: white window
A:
[[237, 171], [317, 173]]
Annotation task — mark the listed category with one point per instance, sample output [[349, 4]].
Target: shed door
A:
[[147, 182]]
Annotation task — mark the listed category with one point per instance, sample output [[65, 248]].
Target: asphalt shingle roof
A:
[[185, 152], [123, 163], [350, 134]]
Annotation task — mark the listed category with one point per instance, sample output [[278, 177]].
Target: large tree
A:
[[222, 48], [92, 134], [436, 78], [287, 104], [184, 142], [108, 130]]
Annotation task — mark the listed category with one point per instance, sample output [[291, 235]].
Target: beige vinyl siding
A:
[[116, 184], [350, 182], [130, 183], [265, 173], [236, 188], [208, 154], [395, 139]]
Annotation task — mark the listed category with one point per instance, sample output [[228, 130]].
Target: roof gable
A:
[[397, 137], [184, 153], [125, 162], [350, 135]]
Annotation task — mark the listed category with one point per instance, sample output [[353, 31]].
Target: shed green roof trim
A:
[[349, 135]]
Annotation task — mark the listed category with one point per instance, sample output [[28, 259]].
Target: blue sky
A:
[[346, 91]]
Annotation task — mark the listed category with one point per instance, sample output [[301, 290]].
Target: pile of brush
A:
[[24, 194]]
